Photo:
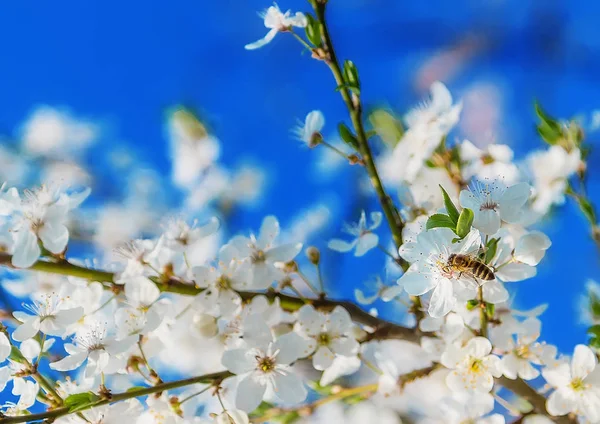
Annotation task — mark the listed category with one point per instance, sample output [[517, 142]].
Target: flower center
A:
[[523, 352], [488, 205], [223, 283], [477, 366], [258, 256], [324, 339], [577, 384], [265, 363]]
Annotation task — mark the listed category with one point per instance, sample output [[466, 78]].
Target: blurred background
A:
[[88, 91]]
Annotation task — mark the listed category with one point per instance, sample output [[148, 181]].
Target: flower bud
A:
[[206, 325], [313, 255]]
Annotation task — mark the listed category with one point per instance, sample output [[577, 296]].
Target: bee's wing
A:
[[469, 281]]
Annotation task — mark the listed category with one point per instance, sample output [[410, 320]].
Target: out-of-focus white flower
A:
[[264, 364], [326, 335], [468, 408], [50, 131], [380, 291], [429, 270], [473, 368], [496, 161], [99, 350], [365, 238], [41, 216], [277, 21], [143, 314], [263, 256], [116, 413], [310, 131], [550, 170], [427, 124], [577, 386], [51, 316], [181, 237], [193, 150], [526, 352], [493, 203], [423, 195]]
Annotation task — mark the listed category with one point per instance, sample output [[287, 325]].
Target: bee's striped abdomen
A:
[[482, 271]]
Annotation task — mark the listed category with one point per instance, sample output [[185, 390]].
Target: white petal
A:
[[69, 362], [291, 346], [561, 402], [339, 321], [341, 245], [346, 346], [516, 272], [289, 388], [494, 292], [487, 221], [263, 41], [323, 358], [442, 299], [238, 361], [311, 321], [268, 232], [583, 362], [342, 365], [365, 243], [558, 376], [416, 283], [5, 347], [54, 236], [469, 200], [441, 99], [26, 250], [390, 293], [27, 330], [478, 347], [314, 122], [256, 331], [531, 247], [512, 200], [204, 276], [67, 317], [249, 394], [283, 253], [376, 217]]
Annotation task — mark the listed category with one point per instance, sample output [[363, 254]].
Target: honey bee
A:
[[469, 265]]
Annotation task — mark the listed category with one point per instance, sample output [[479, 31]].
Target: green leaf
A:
[[465, 220], [80, 401], [351, 73], [594, 304], [440, 220], [135, 389], [549, 128], [471, 304], [313, 30], [594, 330], [350, 87], [347, 136], [490, 308], [587, 209], [15, 354], [595, 342], [491, 248], [450, 208], [388, 127]]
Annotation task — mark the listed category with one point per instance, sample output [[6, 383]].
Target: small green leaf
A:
[[15, 354], [313, 30], [136, 388], [347, 136], [450, 208], [549, 128], [490, 308], [465, 220], [491, 248], [587, 209], [471, 304], [547, 119], [351, 73], [440, 220], [594, 330], [388, 127], [350, 87], [80, 401]]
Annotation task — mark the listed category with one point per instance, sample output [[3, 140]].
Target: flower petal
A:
[[323, 358], [283, 253], [27, 330], [54, 236], [365, 243], [442, 299], [340, 245], [238, 361], [416, 283], [289, 388], [250, 393], [69, 362], [268, 232], [263, 41], [26, 249], [583, 362]]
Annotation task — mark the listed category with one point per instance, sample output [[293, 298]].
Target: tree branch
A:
[[59, 412]]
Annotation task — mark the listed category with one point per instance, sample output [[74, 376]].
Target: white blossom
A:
[[310, 131], [473, 367], [365, 239], [277, 21], [577, 386]]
